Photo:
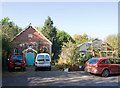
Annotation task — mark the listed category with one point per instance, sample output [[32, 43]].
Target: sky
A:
[[96, 19]]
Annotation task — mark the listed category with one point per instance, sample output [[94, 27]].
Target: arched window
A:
[[30, 45], [15, 51]]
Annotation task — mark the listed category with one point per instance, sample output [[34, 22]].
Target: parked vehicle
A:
[[16, 62], [43, 60], [103, 66]]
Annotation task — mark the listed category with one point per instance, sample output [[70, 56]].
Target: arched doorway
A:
[[30, 56]]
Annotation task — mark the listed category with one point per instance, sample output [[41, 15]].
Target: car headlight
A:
[[95, 70]]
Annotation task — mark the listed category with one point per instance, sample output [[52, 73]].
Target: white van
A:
[[43, 60]]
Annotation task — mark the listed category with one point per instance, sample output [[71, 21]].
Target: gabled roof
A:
[[94, 40], [35, 30], [29, 49], [87, 42]]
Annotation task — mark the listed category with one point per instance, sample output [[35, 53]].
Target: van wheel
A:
[[105, 73], [49, 68], [36, 69]]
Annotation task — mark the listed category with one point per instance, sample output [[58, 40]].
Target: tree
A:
[[80, 38], [113, 41], [63, 37], [39, 29], [119, 45], [70, 51], [50, 32], [55, 36], [9, 30]]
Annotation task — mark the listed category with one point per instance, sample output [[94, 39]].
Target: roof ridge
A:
[[35, 30]]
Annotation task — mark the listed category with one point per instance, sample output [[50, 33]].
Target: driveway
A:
[[56, 78]]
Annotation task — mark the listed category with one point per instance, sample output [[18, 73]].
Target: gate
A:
[[30, 58]]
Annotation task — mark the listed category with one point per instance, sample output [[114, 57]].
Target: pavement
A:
[[56, 78]]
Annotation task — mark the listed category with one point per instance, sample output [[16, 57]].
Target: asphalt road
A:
[[56, 78]]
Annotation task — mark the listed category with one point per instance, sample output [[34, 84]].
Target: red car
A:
[[104, 66], [16, 62]]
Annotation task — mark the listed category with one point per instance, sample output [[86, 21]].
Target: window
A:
[[117, 61], [17, 58], [30, 45], [105, 62], [112, 61], [40, 58], [102, 62], [15, 51], [93, 61], [47, 58], [29, 35], [108, 61]]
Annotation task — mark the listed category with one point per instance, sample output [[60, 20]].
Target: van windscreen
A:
[[92, 61], [40, 58]]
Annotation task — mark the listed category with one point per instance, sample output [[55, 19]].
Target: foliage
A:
[[9, 30], [5, 50], [39, 29], [119, 45], [81, 38], [89, 56], [61, 61], [62, 37], [70, 52], [55, 36], [55, 61], [41, 49], [57, 66], [113, 41], [69, 63], [50, 32]]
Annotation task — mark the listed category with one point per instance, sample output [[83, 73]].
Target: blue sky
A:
[[96, 19]]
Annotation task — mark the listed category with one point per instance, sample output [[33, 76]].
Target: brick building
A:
[[28, 41]]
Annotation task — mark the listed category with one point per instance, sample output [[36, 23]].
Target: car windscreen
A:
[[40, 58], [92, 61], [17, 58], [47, 58]]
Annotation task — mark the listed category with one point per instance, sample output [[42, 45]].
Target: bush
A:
[[69, 63], [55, 61], [89, 56]]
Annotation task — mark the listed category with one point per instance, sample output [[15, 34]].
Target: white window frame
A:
[[30, 35]]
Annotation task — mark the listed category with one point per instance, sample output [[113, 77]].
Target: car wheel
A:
[[24, 69], [91, 73], [10, 70], [105, 73]]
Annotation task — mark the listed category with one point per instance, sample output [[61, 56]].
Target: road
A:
[[56, 78]]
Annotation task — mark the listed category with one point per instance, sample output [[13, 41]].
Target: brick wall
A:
[[22, 41]]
